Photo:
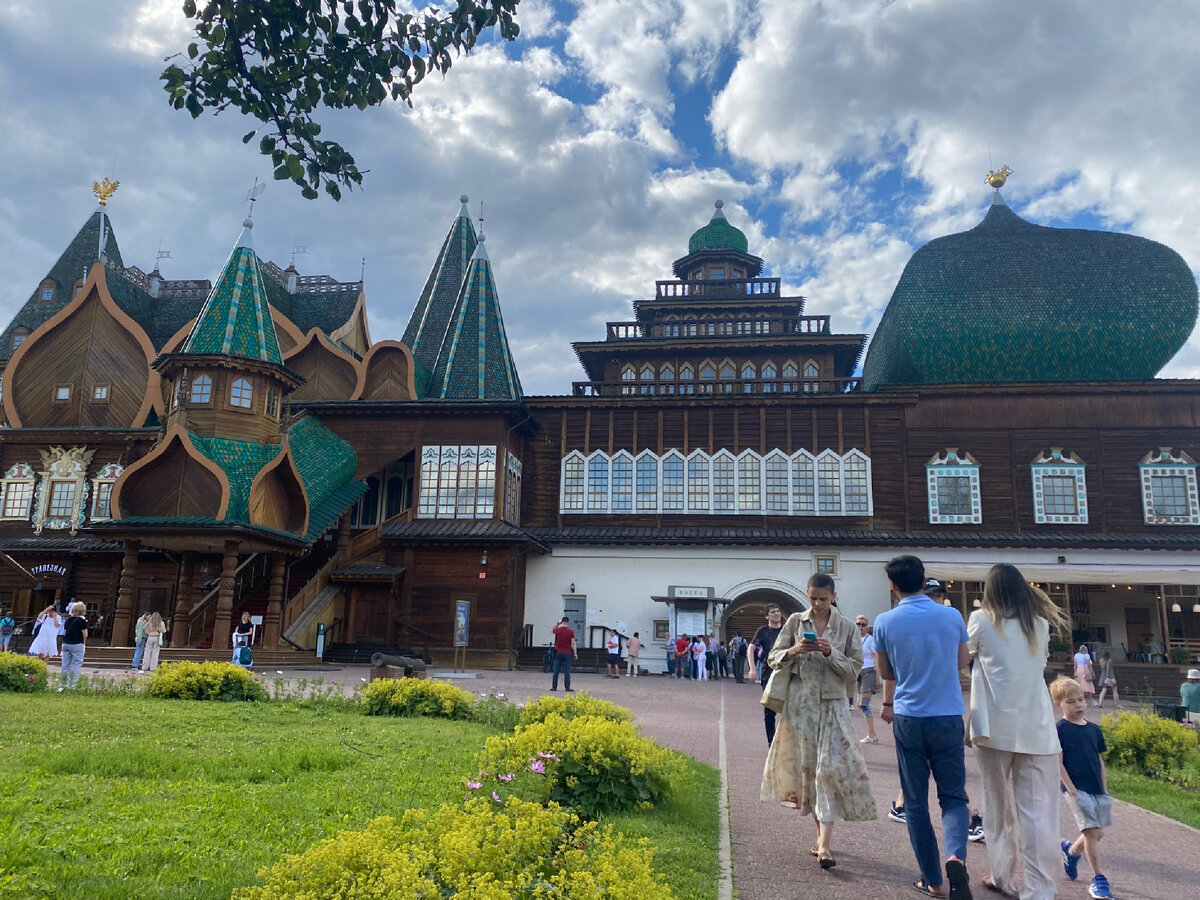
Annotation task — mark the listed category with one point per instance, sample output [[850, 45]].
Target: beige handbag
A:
[[776, 690]]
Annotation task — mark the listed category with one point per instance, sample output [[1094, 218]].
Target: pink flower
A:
[[505, 777], [538, 766], [474, 785], [495, 796], [545, 755]]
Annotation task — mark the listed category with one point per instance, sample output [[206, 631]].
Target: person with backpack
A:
[[242, 633], [7, 627]]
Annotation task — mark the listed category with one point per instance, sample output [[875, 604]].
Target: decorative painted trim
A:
[[672, 483], [18, 474], [1055, 465], [953, 466], [107, 475], [441, 485], [1157, 467], [61, 466]]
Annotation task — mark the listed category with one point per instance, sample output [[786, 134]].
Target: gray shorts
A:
[[866, 681], [1091, 810]]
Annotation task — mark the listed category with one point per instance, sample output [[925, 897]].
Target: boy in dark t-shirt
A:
[[1084, 781]]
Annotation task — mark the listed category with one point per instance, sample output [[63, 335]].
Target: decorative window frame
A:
[[240, 395], [1165, 464], [457, 481], [825, 564], [102, 487], [205, 383], [1055, 464], [19, 475], [599, 482], [101, 393], [511, 511], [953, 465], [59, 465], [742, 482], [62, 393]]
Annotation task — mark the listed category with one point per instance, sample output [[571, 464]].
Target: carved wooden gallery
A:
[[203, 449]]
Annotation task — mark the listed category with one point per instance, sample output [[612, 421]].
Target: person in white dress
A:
[[45, 643]]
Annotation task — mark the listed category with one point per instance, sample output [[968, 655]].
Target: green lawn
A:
[[131, 797], [1170, 800]]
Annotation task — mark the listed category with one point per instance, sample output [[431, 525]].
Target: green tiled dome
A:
[[718, 234], [1010, 301]]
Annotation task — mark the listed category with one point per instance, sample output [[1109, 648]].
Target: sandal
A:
[[827, 861], [814, 851], [922, 888], [992, 886], [959, 880]]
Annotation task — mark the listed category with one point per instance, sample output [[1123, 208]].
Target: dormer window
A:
[[716, 272], [78, 288], [62, 393], [46, 290], [201, 389], [241, 394], [272, 403], [18, 336], [100, 393]]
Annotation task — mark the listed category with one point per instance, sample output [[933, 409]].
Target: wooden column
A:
[[123, 617], [274, 602], [225, 587], [184, 598], [343, 535]]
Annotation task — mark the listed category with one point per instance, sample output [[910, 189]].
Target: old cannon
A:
[[384, 665]]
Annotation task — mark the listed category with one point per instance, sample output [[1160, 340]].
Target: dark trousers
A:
[[562, 663], [768, 714], [723, 666], [933, 746], [670, 665], [739, 668]]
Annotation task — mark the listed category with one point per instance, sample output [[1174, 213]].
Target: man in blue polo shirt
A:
[[920, 646]]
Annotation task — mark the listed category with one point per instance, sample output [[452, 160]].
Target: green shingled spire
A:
[[427, 327], [474, 362], [236, 319]]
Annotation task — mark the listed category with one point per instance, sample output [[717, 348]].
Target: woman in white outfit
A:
[[155, 629], [1013, 730], [45, 642]]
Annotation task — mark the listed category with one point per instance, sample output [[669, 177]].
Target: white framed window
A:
[[457, 482], [572, 483], [749, 488], [856, 483], [597, 482], [646, 482], [724, 482], [646, 376], [17, 491], [687, 374], [241, 394], [776, 465], [811, 373], [804, 484], [272, 406], [952, 489], [698, 484], [829, 483], [201, 389], [1059, 488], [622, 482], [769, 373], [673, 482], [102, 486], [1169, 495], [19, 334]]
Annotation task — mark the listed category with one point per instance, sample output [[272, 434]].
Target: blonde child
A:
[[1084, 781]]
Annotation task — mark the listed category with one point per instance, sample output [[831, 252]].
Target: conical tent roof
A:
[[474, 362], [427, 326], [236, 318]]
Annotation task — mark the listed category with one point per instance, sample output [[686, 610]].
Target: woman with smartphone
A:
[[814, 764]]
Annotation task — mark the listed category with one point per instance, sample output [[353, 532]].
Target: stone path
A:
[[1146, 856]]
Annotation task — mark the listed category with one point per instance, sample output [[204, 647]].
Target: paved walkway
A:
[[1146, 856]]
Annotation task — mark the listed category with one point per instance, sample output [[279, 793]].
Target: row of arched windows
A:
[[799, 484], [724, 377], [241, 393]]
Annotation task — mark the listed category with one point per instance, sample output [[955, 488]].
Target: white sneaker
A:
[[868, 740]]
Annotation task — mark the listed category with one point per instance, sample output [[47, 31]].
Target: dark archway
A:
[[748, 612]]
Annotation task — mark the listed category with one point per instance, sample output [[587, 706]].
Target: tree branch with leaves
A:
[[279, 61]]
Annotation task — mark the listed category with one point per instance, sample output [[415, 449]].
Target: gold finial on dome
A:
[[997, 179], [104, 189]]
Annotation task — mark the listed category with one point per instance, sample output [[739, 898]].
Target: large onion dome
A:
[[1010, 301]]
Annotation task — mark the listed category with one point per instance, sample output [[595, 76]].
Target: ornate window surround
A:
[[17, 488], [457, 481], [721, 483], [102, 489], [1055, 465], [61, 466], [1162, 465], [957, 466]]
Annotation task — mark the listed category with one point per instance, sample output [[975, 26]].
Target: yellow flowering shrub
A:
[[205, 681], [1149, 745], [573, 707], [590, 763], [21, 673], [482, 850], [417, 697]]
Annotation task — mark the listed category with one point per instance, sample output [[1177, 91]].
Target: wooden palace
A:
[[203, 448]]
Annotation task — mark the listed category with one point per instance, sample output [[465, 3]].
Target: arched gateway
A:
[[750, 599]]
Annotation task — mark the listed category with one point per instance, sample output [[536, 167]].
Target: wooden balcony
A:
[[717, 290], [775, 326], [731, 387]]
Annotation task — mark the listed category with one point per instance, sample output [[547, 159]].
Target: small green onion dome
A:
[[718, 234], [1010, 301]]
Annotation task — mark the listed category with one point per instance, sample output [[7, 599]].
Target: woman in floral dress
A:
[[814, 764]]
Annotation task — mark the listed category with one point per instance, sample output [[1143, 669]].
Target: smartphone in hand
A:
[[810, 637]]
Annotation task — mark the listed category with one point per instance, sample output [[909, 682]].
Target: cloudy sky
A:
[[841, 137]]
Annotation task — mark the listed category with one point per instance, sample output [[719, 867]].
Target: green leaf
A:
[[248, 136]]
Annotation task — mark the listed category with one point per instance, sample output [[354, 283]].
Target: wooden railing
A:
[[688, 387], [731, 327], [208, 603], [737, 287]]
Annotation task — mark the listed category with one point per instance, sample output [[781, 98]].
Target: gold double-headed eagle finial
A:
[[104, 189], [997, 179]]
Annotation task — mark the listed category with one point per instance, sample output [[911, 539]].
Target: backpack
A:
[[245, 657], [6, 626]]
